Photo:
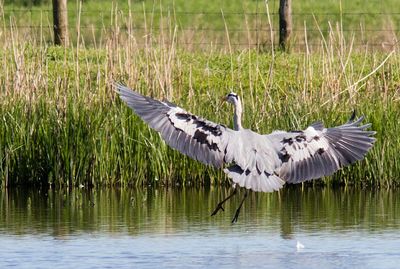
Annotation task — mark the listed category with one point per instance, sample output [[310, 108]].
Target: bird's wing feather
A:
[[198, 138], [318, 151]]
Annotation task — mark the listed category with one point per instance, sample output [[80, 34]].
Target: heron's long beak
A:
[[223, 100]]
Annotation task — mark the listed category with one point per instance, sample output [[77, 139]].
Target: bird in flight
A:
[[257, 162]]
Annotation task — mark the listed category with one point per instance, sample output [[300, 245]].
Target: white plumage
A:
[[262, 163]]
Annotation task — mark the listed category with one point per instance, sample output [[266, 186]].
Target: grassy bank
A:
[[61, 122]]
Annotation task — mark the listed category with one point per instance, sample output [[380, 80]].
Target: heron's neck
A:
[[237, 117]]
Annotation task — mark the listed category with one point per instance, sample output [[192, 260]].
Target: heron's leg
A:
[[235, 218], [219, 206]]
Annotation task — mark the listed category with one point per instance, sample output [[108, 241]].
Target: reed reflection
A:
[[63, 213]]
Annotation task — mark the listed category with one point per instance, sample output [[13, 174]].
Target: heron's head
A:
[[232, 98]]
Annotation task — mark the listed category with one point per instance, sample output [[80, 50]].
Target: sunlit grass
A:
[[200, 23]]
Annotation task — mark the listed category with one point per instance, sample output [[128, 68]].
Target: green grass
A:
[[62, 123], [199, 23]]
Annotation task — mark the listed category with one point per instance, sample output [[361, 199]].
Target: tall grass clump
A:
[[62, 124]]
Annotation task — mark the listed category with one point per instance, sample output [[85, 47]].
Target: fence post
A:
[[60, 22], [285, 23]]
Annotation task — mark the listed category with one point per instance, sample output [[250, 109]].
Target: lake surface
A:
[[159, 228]]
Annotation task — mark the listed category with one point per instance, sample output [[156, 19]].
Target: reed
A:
[[62, 124]]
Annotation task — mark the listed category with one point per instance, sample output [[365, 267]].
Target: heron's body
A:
[[262, 163]]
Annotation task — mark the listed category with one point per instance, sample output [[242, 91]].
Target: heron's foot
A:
[[219, 207], [235, 218]]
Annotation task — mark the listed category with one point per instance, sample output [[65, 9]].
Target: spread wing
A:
[[318, 151], [260, 161], [198, 138]]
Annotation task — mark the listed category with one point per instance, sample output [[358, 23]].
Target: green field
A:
[[201, 23], [62, 123]]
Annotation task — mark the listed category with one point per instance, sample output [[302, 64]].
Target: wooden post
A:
[[60, 22], [285, 23]]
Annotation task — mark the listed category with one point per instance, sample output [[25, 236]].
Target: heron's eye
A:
[[232, 95]]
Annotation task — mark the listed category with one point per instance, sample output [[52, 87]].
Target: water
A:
[[339, 228]]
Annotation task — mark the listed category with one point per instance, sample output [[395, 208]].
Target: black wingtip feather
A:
[[352, 117]]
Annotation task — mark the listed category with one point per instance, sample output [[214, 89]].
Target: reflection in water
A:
[[62, 213]]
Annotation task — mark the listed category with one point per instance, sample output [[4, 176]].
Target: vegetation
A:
[[62, 124], [200, 23]]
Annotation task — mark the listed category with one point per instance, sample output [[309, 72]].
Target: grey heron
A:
[[257, 162]]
